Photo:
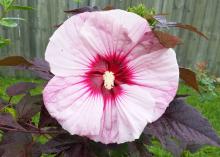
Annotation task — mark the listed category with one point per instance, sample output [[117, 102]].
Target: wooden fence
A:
[[31, 37]]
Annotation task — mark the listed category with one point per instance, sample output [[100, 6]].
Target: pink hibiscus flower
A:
[[112, 76]]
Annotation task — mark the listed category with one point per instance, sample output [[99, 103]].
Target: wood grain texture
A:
[[31, 37]]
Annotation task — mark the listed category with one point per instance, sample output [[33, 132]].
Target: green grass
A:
[[207, 104]]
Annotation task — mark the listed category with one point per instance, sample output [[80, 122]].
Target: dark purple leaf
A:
[[137, 149], [82, 10], [193, 147], [46, 120], [3, 103], [20, 88], [41, 64], [36, 152], [182, 125], [41, 68], [28, 106], [1, 152], [100, 149], [38, 66], [181, 96], [78, 150], [60, 143], [57, 25], [16, 144], [7, 121], [174, 146], [15, 61]]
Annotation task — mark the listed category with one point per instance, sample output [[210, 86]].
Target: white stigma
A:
[[109, 79]]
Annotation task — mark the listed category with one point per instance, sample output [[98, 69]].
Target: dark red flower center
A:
[[115, 65]]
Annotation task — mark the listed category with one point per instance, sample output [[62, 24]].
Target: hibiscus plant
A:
[[110, 82]]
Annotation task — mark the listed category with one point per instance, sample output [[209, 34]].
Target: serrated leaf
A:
[[189, 77], [8, 121], [185, 126], [20, 88], [28, 106], [191, 28], [17, 7], [16, 144], [14, 61], [82, 10], [167, 40], [8, 22]]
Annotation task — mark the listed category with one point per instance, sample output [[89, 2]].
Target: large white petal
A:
[[82, 37], [159, 73], [123, 120], [72, 104]]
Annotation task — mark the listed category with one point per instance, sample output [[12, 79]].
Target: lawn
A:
[[207, 104]]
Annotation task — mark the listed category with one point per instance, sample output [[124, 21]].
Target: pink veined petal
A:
[[73, 106], [149, 43], [65, 52], [83, 36], [63, 63], [125, 119], [114, 31], [159, 73]]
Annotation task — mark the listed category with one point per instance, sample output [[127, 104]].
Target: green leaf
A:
[[144, 12], [4, 42], [6, 3], [17, 7], [8, 22], [14, 18], [10, 110], [77, 1]]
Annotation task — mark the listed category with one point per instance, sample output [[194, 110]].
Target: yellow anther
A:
[[109, 79]]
